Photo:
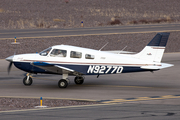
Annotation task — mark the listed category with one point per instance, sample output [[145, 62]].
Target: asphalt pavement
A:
[[132, 96], [108, 30], [133, 111]]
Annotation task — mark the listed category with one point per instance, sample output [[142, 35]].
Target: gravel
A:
[[30, 103], [134, 42], [20, 14], [24, 14]]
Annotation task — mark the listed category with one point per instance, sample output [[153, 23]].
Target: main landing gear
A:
[[79, 80], [63, 83]]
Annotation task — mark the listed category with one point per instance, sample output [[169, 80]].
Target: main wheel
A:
[[63, 83], [79, 80], [27, 81]]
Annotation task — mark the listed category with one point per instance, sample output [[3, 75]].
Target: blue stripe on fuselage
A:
[[84, 69], [41, 63], [27, 67]]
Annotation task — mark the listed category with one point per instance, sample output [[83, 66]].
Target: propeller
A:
[[10, 59], [9, 67]]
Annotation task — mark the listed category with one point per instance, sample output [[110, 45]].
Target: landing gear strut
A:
[[27, 80]]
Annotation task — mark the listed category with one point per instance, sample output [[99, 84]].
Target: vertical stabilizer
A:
[[155, 49]]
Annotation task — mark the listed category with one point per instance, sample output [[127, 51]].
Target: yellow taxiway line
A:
[[141, 99]]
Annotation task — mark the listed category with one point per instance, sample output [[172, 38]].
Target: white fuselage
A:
[[98, 65]]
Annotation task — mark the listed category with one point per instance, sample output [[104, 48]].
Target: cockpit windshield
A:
[[45, 52]]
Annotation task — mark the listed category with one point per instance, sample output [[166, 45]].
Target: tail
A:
[[155, 49]]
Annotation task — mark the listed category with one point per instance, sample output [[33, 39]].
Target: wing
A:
[[57, 69]]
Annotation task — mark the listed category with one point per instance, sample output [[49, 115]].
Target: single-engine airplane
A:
[[70, 60]]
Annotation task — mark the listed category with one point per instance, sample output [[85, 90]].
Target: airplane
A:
[[68, 60]]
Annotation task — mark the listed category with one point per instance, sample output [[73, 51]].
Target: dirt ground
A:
[[134, 43], [31, 14], [21, 14]]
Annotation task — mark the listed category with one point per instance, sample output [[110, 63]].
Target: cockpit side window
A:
[[75, 54], [89, 56], [58, 53], [45, 52]]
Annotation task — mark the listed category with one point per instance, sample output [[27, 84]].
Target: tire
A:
[[27, 82], [79, 80], [62, 83]]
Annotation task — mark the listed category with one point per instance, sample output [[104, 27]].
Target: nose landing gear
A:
[[27, 80]]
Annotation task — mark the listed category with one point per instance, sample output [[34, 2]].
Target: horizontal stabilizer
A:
[[150, 67], [163, 65]]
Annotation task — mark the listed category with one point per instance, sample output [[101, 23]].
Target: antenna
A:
[[122, 49], [103, 46]]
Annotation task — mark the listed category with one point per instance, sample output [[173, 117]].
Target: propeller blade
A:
[[10, 59], [9, 67]]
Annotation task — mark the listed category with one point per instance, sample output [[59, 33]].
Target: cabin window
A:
[[88, 56], [45, 52], [58, 53], [75, 54]]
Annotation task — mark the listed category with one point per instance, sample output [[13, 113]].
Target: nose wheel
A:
[[27, 81]]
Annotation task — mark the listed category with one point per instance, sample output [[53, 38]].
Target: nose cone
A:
[[10, 59]]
